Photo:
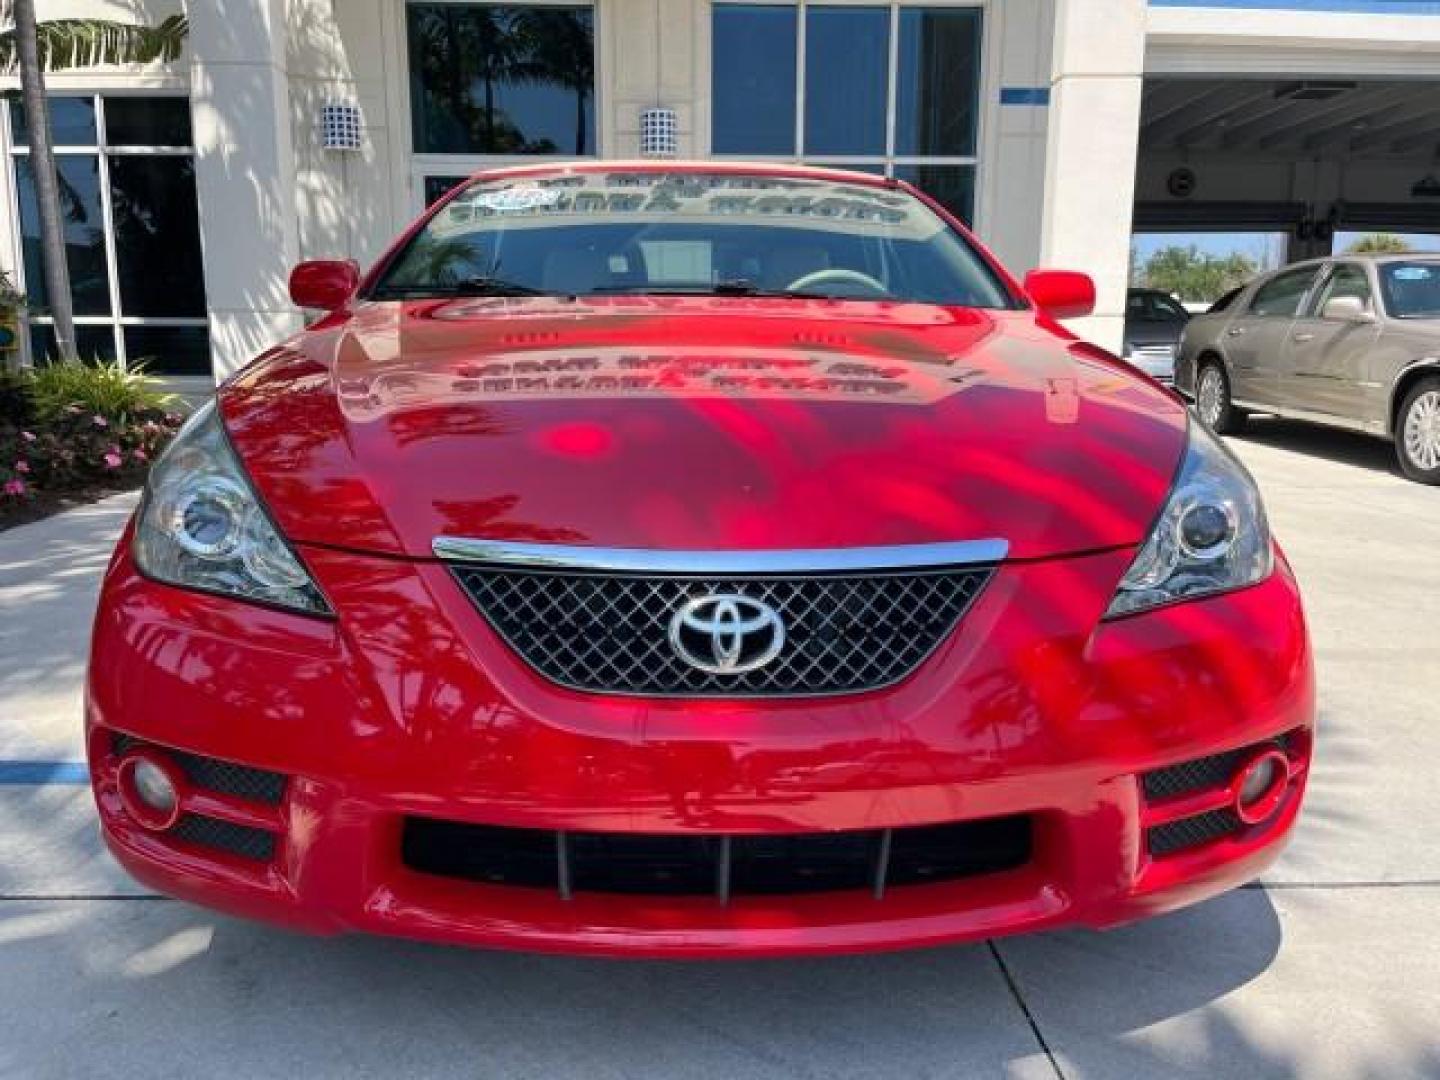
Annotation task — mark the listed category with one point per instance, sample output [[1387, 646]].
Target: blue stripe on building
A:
[[1024, 95]]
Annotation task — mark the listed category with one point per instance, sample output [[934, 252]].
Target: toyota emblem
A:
[[726, 633]]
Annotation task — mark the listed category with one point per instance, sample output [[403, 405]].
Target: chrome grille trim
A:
[[803, 561]]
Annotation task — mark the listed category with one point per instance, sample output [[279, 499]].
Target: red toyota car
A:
[[695, 560]]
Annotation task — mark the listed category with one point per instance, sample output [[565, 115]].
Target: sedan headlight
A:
[[1211, 537], [201, 527]]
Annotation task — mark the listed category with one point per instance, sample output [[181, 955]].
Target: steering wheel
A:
[[837, 275]]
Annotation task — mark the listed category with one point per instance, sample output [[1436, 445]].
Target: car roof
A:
[[1387, 256]]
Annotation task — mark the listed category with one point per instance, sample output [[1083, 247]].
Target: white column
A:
[[244, 173], [1095, 90], [1011, 195]]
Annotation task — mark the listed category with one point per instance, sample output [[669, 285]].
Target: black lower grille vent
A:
[[716, 865], [241, 840], [212, 774]]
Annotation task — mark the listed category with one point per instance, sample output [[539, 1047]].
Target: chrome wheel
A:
[[1210, 397], [1421, 434]]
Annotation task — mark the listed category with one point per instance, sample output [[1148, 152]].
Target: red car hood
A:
[[701, 423]]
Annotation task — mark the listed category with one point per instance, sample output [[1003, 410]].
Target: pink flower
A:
[[100, 421], [140, 455], [27, 436], [15, 487], [22, 466], [113, 461]]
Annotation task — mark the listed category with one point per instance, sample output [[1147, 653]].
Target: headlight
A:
[[201, 526], [1211, 537]]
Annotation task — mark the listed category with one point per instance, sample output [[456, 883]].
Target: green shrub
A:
[[102, 388], [72, 427]]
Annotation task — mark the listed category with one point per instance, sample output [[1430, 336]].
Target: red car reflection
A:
[[696, 560]]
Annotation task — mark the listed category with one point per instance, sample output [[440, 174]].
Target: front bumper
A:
[[409, 706]]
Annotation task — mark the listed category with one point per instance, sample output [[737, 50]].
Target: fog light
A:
[[1259, 788], [149, 791]]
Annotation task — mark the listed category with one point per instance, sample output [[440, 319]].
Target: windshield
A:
[[1412, 289], [597, 233]]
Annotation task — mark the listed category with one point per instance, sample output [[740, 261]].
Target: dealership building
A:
[[1064, 131]]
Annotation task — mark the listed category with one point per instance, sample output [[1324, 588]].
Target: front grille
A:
[[242, 840], [212, 774], [1193, 831], [722, 866], [610, 632]]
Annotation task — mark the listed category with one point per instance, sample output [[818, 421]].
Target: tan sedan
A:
[[1351, 341]]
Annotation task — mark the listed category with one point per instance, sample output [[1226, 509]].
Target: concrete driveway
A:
[[1329, 967]]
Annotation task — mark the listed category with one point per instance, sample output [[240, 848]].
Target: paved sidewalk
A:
[[1331, 969]]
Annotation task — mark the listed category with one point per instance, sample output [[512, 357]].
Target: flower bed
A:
[[75, 434]]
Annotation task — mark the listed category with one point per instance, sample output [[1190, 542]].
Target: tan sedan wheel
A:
[[1212, 401], [1417, 433]]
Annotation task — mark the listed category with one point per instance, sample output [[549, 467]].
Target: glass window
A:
[[726, 234], [91, 342], [935, 89], [929, 101], [1345, 280], [1411, 289], [1167, 309], [157, 235], [132, 235], [72, 122], [169, 350], [147, 121], [502, 79], [437, 187], [952, 186], [1281, 295], [847, 57], [753, 80], [84, 228]]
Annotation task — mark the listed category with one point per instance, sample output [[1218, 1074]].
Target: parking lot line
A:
[[44, 772]]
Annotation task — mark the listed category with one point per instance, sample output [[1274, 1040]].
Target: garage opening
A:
[[1240, 174]]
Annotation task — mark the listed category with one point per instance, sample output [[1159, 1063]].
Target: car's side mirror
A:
[[1062, 294], [1346, 309], [324, 284]]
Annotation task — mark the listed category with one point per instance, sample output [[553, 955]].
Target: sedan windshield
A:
[[1412, 289], [668, 233]]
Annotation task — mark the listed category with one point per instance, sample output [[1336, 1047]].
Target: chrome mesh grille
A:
[[609, 632]]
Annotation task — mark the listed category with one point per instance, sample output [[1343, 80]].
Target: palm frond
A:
[[79, 43]]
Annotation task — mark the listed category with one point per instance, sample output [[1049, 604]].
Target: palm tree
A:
[[560, 49], [56, 45]]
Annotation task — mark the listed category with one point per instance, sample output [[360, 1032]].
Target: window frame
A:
[[888, 161], [103, 151]]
